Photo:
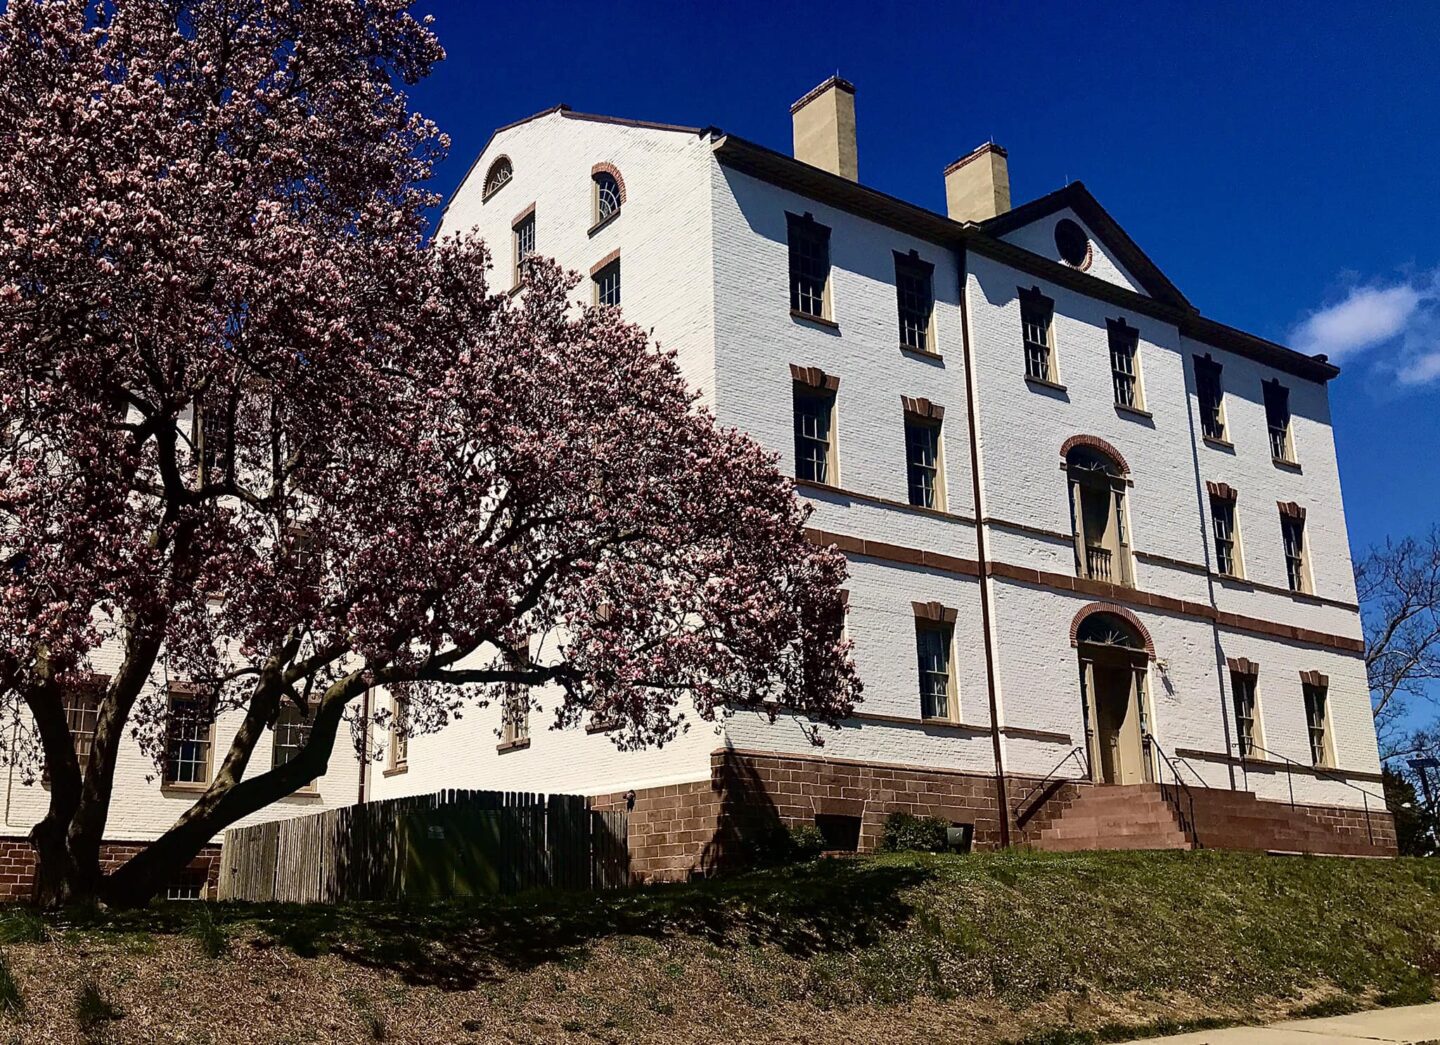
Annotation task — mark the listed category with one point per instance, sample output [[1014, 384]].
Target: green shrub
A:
[[905, 832], [806, 842], [214, 941], [23, 925], [770, 845]]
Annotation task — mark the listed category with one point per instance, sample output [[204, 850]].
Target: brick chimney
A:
[[977, 185], [825, 128]]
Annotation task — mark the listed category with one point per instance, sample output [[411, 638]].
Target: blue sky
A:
[[1278, 161]]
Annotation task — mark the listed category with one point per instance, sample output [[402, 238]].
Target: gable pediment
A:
[[1070, 227]]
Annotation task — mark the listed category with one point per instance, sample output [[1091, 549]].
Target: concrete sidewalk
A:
[[1408, 1026]]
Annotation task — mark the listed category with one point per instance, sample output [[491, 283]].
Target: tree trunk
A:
[[139, 879], [65, 875]]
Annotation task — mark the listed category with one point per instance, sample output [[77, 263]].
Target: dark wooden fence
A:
[[428, 847]]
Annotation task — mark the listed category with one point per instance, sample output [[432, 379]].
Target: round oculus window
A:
[[1071, 242]]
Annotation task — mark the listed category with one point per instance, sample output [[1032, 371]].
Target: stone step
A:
[[1139, 816], [1128, 816], [1084, 830], [1137, 842]]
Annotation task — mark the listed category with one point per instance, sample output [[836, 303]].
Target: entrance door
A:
[[1117, 726]]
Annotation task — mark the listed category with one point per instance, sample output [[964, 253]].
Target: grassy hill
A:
[[1012, 947]]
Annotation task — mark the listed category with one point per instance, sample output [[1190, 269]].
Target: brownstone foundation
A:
[[682, 830], [17, 867], [686, 830]]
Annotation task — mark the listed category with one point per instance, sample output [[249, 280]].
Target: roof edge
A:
[[569, 114], [778, 168]]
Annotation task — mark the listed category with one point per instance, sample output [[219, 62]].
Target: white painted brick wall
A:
[[142, 809], [663, 235], [662, 232]]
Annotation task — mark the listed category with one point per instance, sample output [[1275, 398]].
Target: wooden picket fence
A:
[[429, 847]]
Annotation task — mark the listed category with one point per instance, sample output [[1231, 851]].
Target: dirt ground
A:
[[165, 990]]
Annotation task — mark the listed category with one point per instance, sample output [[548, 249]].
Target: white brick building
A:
[[775, 279], [1093, 574]]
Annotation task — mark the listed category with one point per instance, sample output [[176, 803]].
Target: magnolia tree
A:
[[258, 436]]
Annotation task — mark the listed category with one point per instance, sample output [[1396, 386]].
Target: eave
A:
[[786, 172]]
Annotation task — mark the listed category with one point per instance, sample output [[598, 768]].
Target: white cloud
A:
[[1421, 370], [1366, 317], [1401, 318]]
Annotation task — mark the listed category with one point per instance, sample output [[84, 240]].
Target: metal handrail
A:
[[1199, 777], [1076, 753], [1323, 773], [1180, 797]]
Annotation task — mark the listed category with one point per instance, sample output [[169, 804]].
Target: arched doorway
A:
[[1114, 662]]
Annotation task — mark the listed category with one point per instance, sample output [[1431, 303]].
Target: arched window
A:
[[1097, 485], [498, 176], [609, 191], [1109, 629]]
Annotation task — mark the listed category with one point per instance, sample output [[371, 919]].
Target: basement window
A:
[[190, 885], [841, 833]]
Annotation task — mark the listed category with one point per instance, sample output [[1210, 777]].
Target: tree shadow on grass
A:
[[830, 905]]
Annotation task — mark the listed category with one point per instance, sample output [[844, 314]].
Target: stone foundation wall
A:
[[752, 797], [1353, 825], [17, 866], [684, 830]]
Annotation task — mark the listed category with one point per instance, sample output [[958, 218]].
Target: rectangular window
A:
[[1037, 314], [1227, 549], [914, 291], [809, 267], [189, 737], [292, 733], [607, 284], [1292, 530], [814, 446], [1242, 689], [211, 438], [515, 711], [516, 715], [1212, 398], [1316, 699], [399, 733], [523, 234], [1124, 367], [82, 709], [1277, 418], [933, 640], [922, 459]]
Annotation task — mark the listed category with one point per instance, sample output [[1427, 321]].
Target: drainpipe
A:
[[365, 740], [981, 553], [1241, 781], [10, 773]]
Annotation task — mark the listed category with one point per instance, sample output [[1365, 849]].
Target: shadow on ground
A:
[[832, 906]]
